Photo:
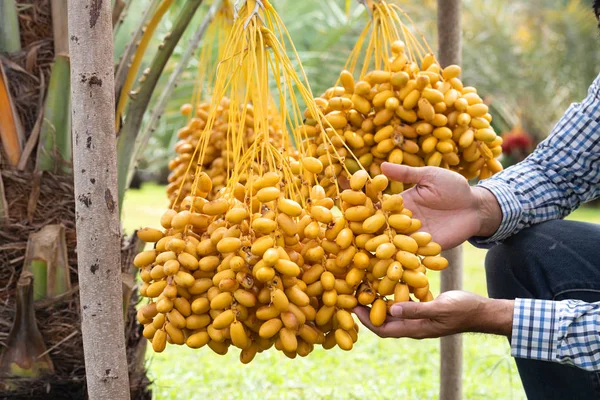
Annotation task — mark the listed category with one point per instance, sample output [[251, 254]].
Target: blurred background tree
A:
[[529, 59]]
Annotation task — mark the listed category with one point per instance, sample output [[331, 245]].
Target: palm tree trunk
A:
[[95, 178], [451, 349]]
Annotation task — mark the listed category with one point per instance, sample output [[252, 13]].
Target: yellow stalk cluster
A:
[[405, 110], [197, 113], [267, 260], [216, 157]]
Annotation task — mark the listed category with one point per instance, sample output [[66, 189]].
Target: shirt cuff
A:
[[534, 329], [511, 212]]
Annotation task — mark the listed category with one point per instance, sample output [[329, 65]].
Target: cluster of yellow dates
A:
[[265, 245], [407, 114], [254, 269], [215, 158]]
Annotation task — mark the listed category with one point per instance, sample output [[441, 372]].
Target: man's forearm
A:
[[494, 316], [490, 213]]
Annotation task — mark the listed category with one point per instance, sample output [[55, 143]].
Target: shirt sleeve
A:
[[562, 173], [566, 332]]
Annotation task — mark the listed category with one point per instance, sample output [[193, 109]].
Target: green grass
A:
[[143, 208], [375, 369]]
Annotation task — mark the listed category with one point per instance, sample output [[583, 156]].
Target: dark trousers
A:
[[555, 260]]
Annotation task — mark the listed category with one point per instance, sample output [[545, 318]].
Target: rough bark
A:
[[95, 178], [451, 347], [450, 52], [449, 32]]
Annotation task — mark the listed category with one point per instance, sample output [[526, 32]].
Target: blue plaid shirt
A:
[[562, 173]]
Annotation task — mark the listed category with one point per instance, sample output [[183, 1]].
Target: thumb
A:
[[412, 310], [404, 173]]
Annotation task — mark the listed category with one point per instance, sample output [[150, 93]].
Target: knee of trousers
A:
[[504, 264], [497, 264]]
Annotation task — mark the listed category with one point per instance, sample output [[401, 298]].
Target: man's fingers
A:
[[403, 173], [362, 312], [414, 310], [396, 327], [406, 328]]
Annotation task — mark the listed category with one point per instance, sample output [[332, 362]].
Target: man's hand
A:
[[450, 210], [452, 312]]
